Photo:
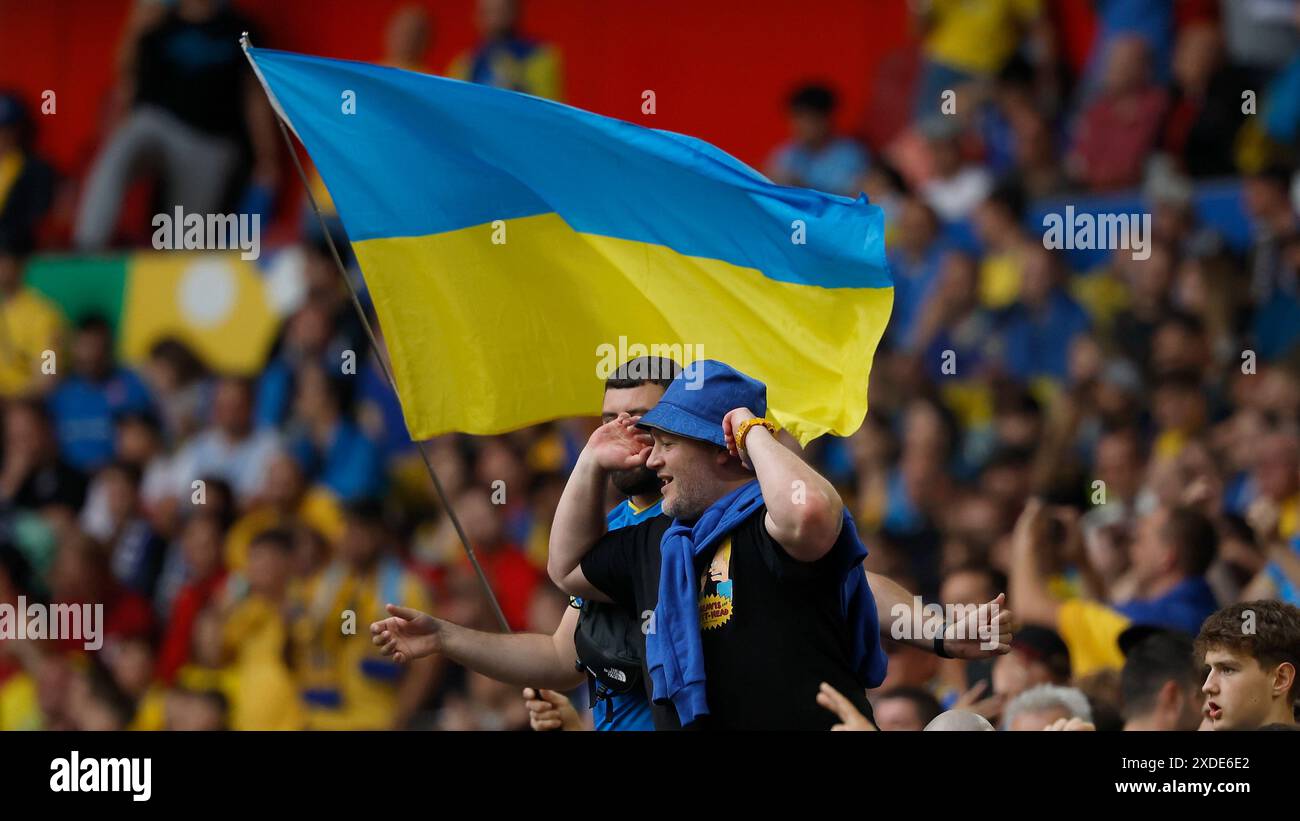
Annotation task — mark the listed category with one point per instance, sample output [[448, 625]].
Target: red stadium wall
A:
[[720, 71]]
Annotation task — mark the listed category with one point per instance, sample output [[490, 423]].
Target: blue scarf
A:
[[674, 649]]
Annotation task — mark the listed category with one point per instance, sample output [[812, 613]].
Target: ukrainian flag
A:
[[509, 242]]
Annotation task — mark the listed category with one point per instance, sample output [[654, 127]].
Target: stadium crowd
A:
[[1113, 439]]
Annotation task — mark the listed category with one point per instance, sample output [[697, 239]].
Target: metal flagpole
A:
[[374, 345]]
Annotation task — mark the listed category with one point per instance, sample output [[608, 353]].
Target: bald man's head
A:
[[959, 720]]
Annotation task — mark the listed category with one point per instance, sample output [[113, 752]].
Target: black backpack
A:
[[608, 648]]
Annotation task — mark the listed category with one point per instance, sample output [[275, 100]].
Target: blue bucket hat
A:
[[700, 396]]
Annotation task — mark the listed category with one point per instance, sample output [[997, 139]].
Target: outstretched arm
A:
[[978, 632], [515, 658]]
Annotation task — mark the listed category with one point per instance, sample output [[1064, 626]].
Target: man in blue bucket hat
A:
[[750, 587]]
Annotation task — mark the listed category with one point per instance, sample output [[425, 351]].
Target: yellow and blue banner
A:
[[507, 241]]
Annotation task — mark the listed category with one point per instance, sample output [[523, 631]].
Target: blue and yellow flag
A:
[[515, 248]]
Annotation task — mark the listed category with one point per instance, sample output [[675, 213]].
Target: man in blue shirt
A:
[[815, 157], [84, 406]]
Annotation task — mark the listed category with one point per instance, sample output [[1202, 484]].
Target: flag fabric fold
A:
[[510, 243]]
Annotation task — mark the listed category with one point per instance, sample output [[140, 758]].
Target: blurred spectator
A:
[[84, 404], [344, 682], [204, 575], [1038, 657], [331, 447], [815, 157], [1039, 707], [964, 42], [956, 185], [1043, 323], [26, 179], [31, 325], [1161, 683], [33, 473], [1206, 110], [1119, 127], [229, 448], [1165, 586], [507, 59], [1261, 35], [193, 102], [255, 636], [905, 708]]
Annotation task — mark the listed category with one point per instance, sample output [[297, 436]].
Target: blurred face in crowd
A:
[[1017, 671], [285, 482], [407, 36], [497, 18], [308, 331], [1037, 277], [194, 712], [315, 401], [232, 408], [206, 648], [88, 710], [1119, 465], [1265, 199], [121, 493], [1151, 554], [1177, 347], [640, 481], [916, 225], [80, 570], [131, 662], [809, 127], [958, 282], [92, 353], [201, 545], [1196, 55], [480, 518], [362, 540], [137, 442], [923, 429], [1240, 693], [693, 473], [898, 713], [1034, 721], [1126, 64], [1179, 406], [945, 153], [967, 587], [25, 432], [1276, 468], [268, 569], [498, 461]]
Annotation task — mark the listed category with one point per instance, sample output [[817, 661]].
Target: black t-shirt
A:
[[197, 71], [773, 627]]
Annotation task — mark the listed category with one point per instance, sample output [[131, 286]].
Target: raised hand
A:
[[984, 631], [849, 716], [406, 634], [619, 444]]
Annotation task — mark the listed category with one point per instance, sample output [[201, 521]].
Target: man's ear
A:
[[1284, 678], [1168, 695]]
